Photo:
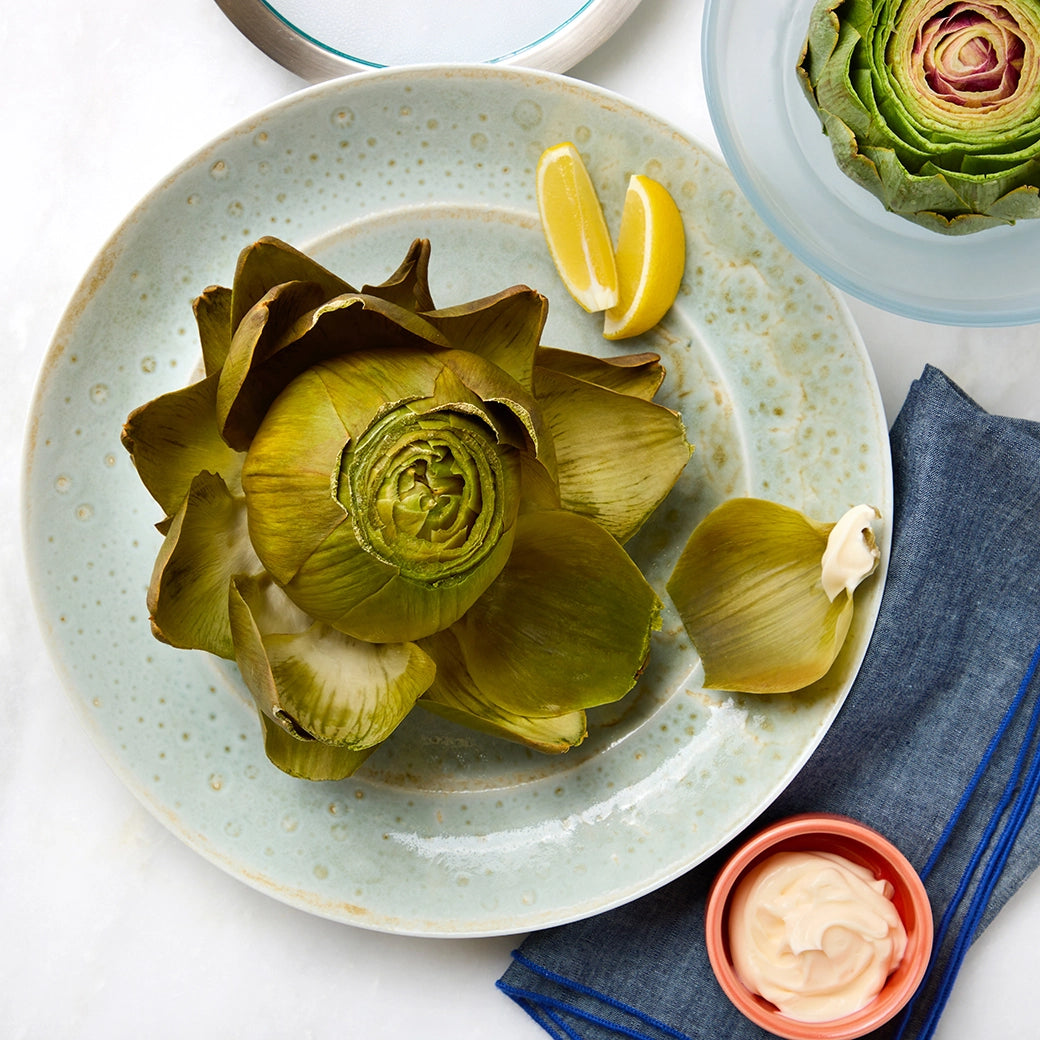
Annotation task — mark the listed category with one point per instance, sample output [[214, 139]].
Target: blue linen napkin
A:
[[935, 746]]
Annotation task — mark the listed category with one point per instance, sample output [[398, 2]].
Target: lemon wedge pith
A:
[[575, 228], [650, 259]]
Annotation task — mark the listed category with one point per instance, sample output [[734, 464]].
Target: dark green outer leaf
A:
[[504, 329], [253, 373], [269, 262], [213, 318], [409, 285], [206, 546], [638, 375], [174, 437], [262, 364]]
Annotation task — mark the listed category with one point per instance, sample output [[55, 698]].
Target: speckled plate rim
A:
[[589, 26], [611, 826]]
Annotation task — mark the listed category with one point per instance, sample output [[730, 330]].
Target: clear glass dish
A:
[[772, 141]]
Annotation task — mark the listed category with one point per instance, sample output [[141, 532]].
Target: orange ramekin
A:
[[824, 832]]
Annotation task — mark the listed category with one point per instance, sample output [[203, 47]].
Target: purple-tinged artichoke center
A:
[[971, 54]]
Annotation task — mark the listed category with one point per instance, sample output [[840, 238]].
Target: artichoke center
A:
[[430, 495], [971, 54], [425, 491]]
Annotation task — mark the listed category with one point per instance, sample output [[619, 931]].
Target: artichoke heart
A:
[[932, 105], [766, 594], [370, 504]]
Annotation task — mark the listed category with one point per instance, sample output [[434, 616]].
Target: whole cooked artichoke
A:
[[933, 106], [372, 503]]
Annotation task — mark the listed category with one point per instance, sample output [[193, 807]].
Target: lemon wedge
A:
[[575, 228], [650, 258]]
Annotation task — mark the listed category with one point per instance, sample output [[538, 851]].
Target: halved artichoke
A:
[[932, 106], [372, 503]]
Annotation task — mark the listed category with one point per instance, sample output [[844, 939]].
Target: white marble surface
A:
[[111, 927]]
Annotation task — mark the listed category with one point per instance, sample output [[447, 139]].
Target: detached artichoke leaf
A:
[[504, 329], [602, 441], [409, 285], [749, 587], [174, 437], [212, 311], [638, 375], [205, 546], [309, 759], [565, 626], [269, 262]]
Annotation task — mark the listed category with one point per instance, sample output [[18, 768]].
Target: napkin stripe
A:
[[530, 1000], [1020, 807]]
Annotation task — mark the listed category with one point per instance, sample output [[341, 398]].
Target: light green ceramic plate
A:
[[444, 832]]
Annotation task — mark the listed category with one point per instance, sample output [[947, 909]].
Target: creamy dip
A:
[[815, 934]]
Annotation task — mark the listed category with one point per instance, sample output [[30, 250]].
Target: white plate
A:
[[772, 140], [319, 39], [444, 831]]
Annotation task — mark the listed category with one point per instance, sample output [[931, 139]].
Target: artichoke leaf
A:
[[638, 375], [205, 546], [345, 691], [257, 366], [306, 758], [538, 488], [175, 436], [260, 366], [269, 262], [409, 285], [370, 606], [288, 476], [212, 309], [749, 589], [567, 623], [257, 606], [317, 682], [364, 386], [504, 329], [490, 384], [455, 696], [1018, 204], [602, 441]]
